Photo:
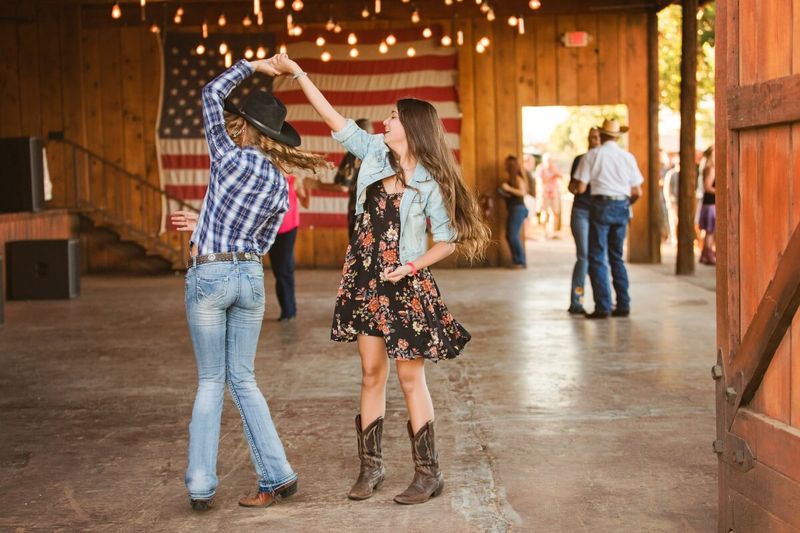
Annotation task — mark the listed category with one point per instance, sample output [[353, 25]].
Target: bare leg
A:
[[374, 372], [418, 400]]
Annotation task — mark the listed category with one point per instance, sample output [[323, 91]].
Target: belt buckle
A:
[[247, 255], [212, 257]]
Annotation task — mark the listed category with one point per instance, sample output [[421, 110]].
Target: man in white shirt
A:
[[615, 182]]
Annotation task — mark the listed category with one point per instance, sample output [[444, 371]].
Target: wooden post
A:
[[654, 164], [688, 174]]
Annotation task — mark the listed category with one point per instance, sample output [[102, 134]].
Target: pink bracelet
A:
[[413, 268]]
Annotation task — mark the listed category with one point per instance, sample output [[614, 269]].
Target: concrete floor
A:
[[547, 423]]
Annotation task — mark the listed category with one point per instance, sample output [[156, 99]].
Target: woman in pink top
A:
[[281, 255], [550, 177]]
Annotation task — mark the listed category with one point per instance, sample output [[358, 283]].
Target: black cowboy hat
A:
[[268, 115]]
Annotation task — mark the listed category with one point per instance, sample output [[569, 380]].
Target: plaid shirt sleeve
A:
[[214, 94]]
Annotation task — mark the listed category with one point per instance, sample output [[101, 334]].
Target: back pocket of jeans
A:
[[211, 290], [257, 283]]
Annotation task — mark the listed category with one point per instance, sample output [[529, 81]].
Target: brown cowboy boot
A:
[[428, 480], [266, 498], [372, 472]]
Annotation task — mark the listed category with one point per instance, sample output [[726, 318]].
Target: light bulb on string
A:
[[201, 49], [223, 48], [320, 41], [325, 57], [297, 31], [415, 16], [446, 40], [177, 19], [280, 4], [337, 28], [459, 37], [490, 16], [521, 26], [116, 11], [411, 52], [330, 24], [365, 13], [480, 48], [485, 8], [377, 6], [248, 53], [512, 20], [247, 21], [383, 47], [427, 33], [179, 11], [221, 21], [298, 5], [485, 41], [352, 39], [205, 29], [261, 53], [391, 40], [534, 4], [448, 2], [155, 29], [282, 49], [354, 52], [228, 60], [256, 7], [260, 18]]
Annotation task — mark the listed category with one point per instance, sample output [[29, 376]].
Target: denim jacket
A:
[[422, 199]]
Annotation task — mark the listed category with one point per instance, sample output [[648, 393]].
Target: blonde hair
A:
[[426, 141], [286, 158]]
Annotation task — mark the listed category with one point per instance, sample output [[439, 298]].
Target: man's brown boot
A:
[[428, 479], [265, 499], [372, 472]]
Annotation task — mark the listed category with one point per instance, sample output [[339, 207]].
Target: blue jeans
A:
[[516, 217], [281, 258], [579, 223], [608, 224], [225, 308]]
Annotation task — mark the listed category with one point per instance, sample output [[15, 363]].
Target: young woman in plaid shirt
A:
[[250, 149]]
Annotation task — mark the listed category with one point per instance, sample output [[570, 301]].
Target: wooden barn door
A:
[[758, 274]]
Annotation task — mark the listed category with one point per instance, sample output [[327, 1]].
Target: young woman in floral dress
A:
[[388, 301]]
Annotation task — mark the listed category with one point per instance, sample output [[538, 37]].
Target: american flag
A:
[[367, 86]]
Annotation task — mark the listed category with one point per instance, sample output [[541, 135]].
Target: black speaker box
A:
[[21, 174], [43, 270]]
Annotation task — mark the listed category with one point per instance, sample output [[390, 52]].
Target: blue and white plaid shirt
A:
[[247, 195]]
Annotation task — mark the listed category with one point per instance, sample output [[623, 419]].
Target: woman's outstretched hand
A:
[[265, 67], [183, 220], [283, 65], [397, 274]]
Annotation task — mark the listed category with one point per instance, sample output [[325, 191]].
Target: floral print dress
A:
[[410, 314]]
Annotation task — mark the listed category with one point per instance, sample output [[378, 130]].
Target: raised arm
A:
[[332, 118]]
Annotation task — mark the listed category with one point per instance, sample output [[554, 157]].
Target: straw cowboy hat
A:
[[611, 127]]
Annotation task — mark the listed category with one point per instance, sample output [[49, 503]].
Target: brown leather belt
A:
[[223, 257]]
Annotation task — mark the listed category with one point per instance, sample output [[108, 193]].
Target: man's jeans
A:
[[225, 308], [579, 222], [516, 217], [608, 224], [281, 259]]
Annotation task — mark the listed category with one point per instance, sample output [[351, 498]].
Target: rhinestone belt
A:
[[223, 257]]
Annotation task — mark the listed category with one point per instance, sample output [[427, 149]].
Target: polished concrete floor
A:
[[547, 423]]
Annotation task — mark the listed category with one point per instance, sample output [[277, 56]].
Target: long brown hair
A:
[[426, 141], [286, 158]]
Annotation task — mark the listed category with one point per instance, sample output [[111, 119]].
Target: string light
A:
[[330, 24], [485, 8], [248, 53], [446, 40], [325, 57], [490, 16], [179, 11], [205, 30], [320, 41], [354, 52], [261, 53], [228, 60], [142, 2], [297, 5], [280, 4], [427, 32], [256, 6], [485, 41], [282, 49], [296, 31], [201, 49], [116, 12], [415, 16], [223, 48], [365, 13], [383, 47], [448, 2], [260, 18], [352, 39], [521, 26], [411, 52], [221, 21], [247, 21], [337, 28], [154, 28], [460, 37], [534, 4], [512, 20], [480, 48], [391, 40], [377, 6], [177, 18]]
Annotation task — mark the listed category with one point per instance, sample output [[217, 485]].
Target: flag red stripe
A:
[[186, 192], [319, 128], [323, 220], [387, 97], [380, 66]]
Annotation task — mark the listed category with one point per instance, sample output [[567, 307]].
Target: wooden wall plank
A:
[[113, 148], [151, 60], [29, 88], [749, 516], [466, 94], [588, 75], [773, 397], [567, 58], [525, 66], [72, 94], [92, 92], [748, 41], [608, 61], [10, 110], [133, 110], [774, 52], [546, 62], [749, 197], [794, 216], [770, 490], [51, 98]]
